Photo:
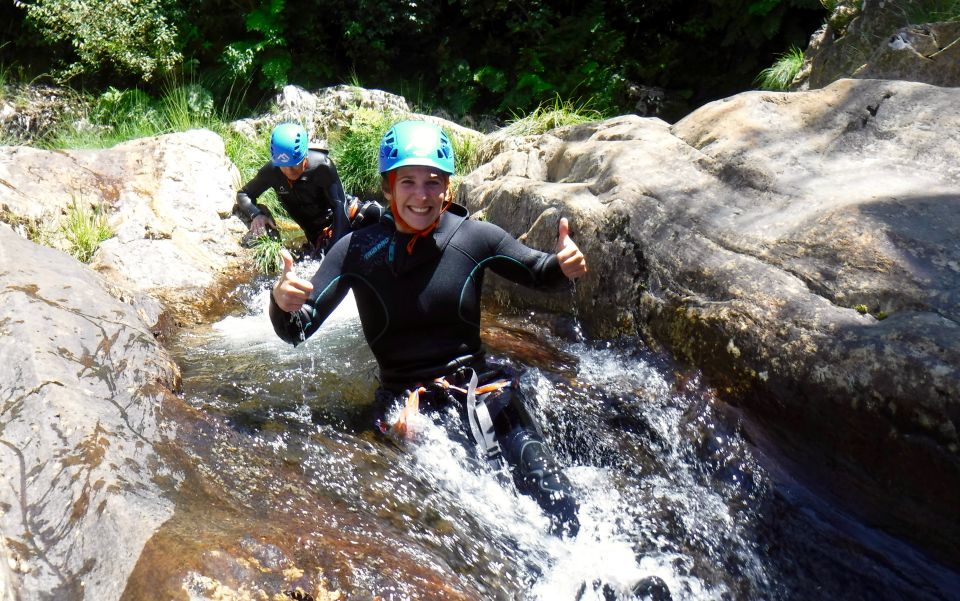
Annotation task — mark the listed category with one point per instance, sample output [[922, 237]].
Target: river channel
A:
[[675, 501]]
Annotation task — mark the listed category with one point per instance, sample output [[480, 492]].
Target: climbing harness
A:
[[506, 433], [478, 414]]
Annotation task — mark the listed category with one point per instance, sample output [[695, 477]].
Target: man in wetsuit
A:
[[417, 278], [309, 188]]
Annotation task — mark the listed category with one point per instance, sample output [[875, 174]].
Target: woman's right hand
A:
[[291, 291]]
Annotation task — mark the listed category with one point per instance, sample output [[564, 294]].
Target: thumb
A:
[[287, 261], [563, 233]]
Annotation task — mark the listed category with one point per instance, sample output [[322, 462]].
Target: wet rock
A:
[[652, 588], [800, 248]]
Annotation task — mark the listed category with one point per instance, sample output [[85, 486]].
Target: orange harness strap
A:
[[489, 387], [412, 407]]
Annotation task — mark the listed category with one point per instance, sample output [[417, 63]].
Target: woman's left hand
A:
[[572, 262]]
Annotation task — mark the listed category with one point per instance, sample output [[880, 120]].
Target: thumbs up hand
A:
[[572, 262], [291, 291]]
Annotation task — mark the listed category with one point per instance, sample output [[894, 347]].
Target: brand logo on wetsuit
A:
[[377, 248]]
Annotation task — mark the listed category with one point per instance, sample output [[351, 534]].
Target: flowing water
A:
[[675, 503]]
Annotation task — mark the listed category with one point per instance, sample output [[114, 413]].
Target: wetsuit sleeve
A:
[[329, 288], [248, 194], [521, 264]]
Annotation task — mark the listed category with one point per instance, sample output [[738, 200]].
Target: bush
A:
[[120, 115], [129, 36]]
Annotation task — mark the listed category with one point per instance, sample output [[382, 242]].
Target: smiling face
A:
[[419, 194]]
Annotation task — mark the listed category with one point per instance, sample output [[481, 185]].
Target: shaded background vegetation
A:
[[468, 57]]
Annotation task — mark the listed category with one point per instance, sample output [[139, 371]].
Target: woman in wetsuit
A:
[[417, 277]]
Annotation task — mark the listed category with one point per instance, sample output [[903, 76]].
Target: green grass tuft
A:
[[266, 254], [780, 75], [933, 11], [550, 115], [85, 228], [356, 149], [119, 115]]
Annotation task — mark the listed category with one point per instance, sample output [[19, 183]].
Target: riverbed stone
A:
[[802, 249], [82, 382]]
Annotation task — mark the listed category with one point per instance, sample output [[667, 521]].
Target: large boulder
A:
[[802, 249], [928, 53], [330, 111], [30, 112], [82, 382], [883, 39], [168, 200]]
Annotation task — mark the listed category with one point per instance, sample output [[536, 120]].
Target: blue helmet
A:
[[416, 143], [288, 145]]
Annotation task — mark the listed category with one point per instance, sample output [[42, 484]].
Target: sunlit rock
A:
[[883, 39], [167, 200], [82, 383]]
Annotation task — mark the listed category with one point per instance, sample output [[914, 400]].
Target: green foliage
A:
[[119, 115], [550, 115], [4, 78], [877, 313], [128, 36], [355, 151], [762, 7], [249, 156], [85, 228], [466, 153], [779, 76], [469, 57], [267, 52], [186, 106]]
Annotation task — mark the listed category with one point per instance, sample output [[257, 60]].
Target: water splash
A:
[[667, 485]]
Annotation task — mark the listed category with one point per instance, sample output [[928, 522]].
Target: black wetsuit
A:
[[420, 314], [315, 200]]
